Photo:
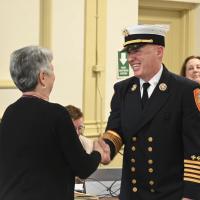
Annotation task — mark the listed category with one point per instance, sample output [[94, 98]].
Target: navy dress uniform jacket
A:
[[161, 142]]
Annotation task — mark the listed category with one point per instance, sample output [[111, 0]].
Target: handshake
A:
[[104, 149]]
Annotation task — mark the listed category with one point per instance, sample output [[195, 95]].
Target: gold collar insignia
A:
[[134, 87], [163, 87], [125, 32]]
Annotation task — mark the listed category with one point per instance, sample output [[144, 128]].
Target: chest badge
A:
[[134, 87], [163, 87]]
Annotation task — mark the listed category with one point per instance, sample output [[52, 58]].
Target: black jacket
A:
[[40, 152], [161, 143]]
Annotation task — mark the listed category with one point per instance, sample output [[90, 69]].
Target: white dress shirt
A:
[[153, 82]]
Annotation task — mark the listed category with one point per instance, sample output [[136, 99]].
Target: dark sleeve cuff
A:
[[191, 190]]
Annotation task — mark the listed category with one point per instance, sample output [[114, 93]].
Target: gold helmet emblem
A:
[[125, 32]]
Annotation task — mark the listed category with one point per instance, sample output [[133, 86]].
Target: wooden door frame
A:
[[188, 19], [94, 67]]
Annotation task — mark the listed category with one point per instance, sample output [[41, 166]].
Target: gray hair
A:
[[26, 64]]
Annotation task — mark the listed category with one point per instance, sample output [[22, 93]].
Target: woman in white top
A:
[[78, 120]]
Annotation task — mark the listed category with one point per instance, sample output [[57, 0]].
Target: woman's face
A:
[[79, 125], [50, 80], [193, 69]]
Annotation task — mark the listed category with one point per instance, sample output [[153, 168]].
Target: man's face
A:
[[146, 61]]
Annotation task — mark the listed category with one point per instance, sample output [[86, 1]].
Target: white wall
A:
[[20, 26], [68, 49], [19, 21], [119, 16]]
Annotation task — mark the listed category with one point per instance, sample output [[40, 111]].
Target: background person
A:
[[78, 120], [40, 152], [191, 68], [156, 115]]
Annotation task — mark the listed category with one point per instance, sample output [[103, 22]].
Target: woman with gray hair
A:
[[40, 151]]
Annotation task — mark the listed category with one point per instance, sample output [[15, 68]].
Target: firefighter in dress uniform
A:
[[156, 116]]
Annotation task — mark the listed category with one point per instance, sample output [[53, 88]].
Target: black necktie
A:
[[145, 94]]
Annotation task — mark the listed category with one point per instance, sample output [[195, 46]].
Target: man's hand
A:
[[186, 199]]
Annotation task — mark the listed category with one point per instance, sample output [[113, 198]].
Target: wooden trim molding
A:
[[7, 84], [187, 11], [94, 66], [167, 4], [94, 128], [45, 23]]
